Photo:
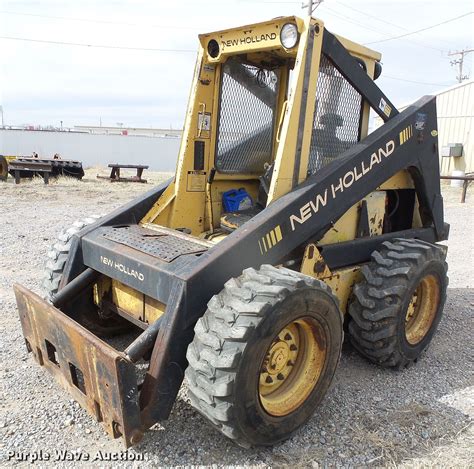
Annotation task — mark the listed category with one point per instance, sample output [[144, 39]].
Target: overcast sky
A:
[[45, 83]]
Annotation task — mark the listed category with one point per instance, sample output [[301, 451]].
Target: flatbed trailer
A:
[[28, 167]]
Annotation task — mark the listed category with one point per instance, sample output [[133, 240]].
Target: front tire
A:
[[58, 255], [264, 354], [396, 308]]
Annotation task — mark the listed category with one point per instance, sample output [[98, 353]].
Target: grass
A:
[[91, 181]]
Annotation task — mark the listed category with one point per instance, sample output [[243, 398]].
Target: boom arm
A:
[[407, 141]]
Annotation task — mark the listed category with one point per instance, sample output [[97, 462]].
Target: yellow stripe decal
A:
[[272, 238], [269, 241], [272, 235], [279, 237], [406, 134]]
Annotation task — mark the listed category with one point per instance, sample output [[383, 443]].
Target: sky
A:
[[44, 84]]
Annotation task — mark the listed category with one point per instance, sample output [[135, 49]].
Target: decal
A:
[[406, 134], [420, 122], [384, 107], [272, 238], [345, 182], [122, 268], [196, 181], [256, 38], [204, 121], [208, 68], [434, 133]]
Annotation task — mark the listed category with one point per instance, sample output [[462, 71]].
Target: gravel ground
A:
[[417, 417]]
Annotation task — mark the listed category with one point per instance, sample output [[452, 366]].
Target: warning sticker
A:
[[204, 121], [384, 107], [196, 181]]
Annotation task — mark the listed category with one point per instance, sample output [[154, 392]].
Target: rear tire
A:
[[396, 308], [264, 354]]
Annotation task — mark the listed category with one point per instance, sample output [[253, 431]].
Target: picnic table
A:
[[115, 173], [468, 178]]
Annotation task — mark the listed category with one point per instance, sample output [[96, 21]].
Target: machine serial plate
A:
[[159, 244]]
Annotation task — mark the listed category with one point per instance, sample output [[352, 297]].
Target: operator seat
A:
[[230, 221]]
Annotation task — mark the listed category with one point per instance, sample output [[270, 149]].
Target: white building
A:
[[455, 107], [94, 147]]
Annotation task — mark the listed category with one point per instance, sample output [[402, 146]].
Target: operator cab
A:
[[267, 110], [250, 116], [250, 102]]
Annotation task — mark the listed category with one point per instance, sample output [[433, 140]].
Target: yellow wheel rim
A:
[[422, 309], [292, 366]]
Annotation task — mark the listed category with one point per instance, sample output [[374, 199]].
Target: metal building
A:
[[455, 127], [159, 152]]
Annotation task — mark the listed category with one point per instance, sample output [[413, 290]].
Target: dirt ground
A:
[[418, 417]]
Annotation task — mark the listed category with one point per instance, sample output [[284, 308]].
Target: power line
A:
[[79, 44], [412, 81], [420, 30], [350, 20], [371, 16], [389, 23], [311, 6], [343, 17], [88, 20]]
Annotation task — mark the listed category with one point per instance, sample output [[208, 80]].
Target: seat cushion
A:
[[230, 221]]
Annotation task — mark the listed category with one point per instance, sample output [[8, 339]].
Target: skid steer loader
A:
[[284, 225]]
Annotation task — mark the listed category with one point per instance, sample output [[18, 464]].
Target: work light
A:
[[289, 35]]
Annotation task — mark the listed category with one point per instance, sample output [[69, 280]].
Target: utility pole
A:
[[312, 5], [460, 62]]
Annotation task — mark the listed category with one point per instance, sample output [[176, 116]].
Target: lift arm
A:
[[407, 141]]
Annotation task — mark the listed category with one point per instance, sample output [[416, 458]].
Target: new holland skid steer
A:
[[284, 225]]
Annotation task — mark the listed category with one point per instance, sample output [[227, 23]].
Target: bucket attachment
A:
[[99, 377]]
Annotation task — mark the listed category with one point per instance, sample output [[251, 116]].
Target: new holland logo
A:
[[122, 268], [249, 39], [345, 182]]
